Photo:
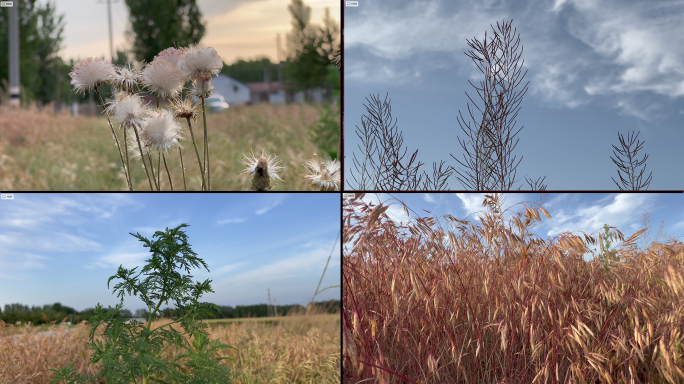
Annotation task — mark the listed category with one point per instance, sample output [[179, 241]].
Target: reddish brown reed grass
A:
[[424, 304]]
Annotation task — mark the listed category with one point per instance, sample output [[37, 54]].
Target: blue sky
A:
[[595, 68], [573, 212], [64, 247]]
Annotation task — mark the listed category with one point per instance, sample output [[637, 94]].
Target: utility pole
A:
[[14, 54], [109, 15], [59, 85], [280, 65], [269, 303]]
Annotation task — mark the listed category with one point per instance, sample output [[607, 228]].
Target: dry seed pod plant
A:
[[488, 162], [446, 300]]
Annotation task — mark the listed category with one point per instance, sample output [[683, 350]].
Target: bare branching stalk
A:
[[384, 166], [629, 165], [488, 165]]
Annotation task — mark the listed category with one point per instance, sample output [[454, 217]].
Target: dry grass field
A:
[[48, 151], [444, 300], [294, 349]]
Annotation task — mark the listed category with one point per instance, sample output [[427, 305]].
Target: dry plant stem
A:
[[142, 158], [159, 170], [381, 139], [489, 164], [628, 166], [123, 163], [206, 145], [196, 152], [167, 171], [183, 168], [128, 167], [154, 177]]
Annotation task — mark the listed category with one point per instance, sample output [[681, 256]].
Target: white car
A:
[[215, 103]]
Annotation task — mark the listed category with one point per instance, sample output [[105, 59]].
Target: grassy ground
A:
[[291, 349], [47, 151]]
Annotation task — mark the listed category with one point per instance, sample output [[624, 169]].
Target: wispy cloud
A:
[[230, 221], [128, 260], [428, 198], [575, 50], [270, 204]]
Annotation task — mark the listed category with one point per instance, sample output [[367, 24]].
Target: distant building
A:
[[274, 93], [234, 92]]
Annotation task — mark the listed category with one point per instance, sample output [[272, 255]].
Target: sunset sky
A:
[[235, 28]]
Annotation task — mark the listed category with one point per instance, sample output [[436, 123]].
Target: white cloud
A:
[[428, 198], [574, 49], [272, 203], [128, 260], [302, 264], [230, 221]]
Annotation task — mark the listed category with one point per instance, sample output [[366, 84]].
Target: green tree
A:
[[251, 71], [40, 37], [310, 48], [160, 24]]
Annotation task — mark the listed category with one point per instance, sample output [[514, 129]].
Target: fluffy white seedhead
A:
[[162, 131], [202, 86], [169, 54], [325, 174], [129, 110], [197, 61], [162, 78], [126, 77], [266, 165], [90, 73], [146, 145]]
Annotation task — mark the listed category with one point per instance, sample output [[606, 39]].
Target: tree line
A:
[[57, 312]]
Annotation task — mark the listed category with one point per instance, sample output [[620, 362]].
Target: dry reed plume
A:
[[299, 349], [444, 300]]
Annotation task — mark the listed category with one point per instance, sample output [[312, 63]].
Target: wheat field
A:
[[480, 302], [298, 349]]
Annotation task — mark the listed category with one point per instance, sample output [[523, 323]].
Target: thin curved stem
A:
[[206, 145], [123, 163], [167, 171], [197, 152], [183, 168], [142, 158], [156, 183]]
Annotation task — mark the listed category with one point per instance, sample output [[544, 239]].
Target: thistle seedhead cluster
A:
[[148, 129]]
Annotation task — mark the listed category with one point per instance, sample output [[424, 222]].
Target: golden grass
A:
[[299, 349], [48, 151], [488, 303]]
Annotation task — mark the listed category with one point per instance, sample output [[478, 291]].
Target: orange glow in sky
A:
[[235, 28]]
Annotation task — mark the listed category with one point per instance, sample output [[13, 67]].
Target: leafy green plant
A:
[[607, 256], [131, 352]]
